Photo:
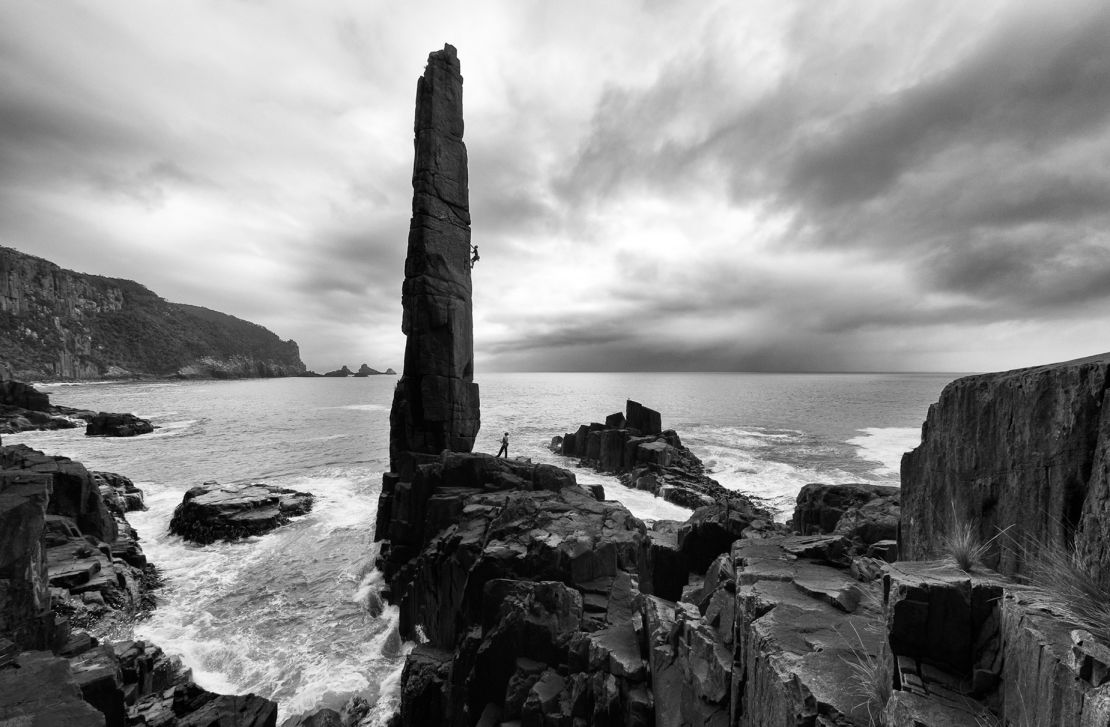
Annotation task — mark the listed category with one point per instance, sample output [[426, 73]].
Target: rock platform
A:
[[212, 511]]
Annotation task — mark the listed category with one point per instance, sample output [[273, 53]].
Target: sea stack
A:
[[435, 404]]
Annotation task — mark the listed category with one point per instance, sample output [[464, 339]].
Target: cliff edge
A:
[[1026, 452], [60, 324]]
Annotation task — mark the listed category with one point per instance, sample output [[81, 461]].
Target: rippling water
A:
[[289, 615]]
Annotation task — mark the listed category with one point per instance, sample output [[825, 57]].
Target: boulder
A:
[[106, 424], [213, 511]]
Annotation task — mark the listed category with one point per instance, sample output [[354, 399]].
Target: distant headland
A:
[[60, 324]]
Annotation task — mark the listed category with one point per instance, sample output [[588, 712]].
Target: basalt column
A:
[[435, 405]]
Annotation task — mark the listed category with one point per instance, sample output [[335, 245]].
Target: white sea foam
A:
[[886, 445], [285, 614]]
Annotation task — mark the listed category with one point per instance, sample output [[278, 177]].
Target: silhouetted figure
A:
[[475, 258], [504, 446]]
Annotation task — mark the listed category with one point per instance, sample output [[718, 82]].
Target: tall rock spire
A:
[[435, 405]]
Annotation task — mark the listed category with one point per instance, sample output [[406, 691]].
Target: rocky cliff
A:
[[59, 324], [435, 405], [1026, 452]]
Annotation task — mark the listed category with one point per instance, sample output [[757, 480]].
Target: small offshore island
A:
[[973, 595]]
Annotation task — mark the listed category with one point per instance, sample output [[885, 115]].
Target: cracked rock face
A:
[[435, 405], [1022, 451]]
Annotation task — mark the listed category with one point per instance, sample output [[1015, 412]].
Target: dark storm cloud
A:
[[985, 177]]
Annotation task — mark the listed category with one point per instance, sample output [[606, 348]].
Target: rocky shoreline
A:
[[69, 560]]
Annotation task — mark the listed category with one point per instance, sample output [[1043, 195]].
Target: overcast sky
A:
[[655, 185]]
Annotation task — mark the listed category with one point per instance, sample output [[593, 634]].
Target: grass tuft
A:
[[963, 543], [1064, 586], [872, 678]]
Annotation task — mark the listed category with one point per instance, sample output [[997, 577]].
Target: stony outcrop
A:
[[25, 616], [435, 404], [106, 424], [866, 514], [212, 511], [339, 373], [60, 324], [54, 578], [23, 408], [634, 446], [1026, 452], [365, 370]]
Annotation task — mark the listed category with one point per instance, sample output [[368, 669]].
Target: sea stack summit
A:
[[435, 404]]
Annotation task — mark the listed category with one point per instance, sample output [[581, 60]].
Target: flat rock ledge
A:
[[212, 511]]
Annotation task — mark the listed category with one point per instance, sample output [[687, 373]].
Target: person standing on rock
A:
[[504, 446]]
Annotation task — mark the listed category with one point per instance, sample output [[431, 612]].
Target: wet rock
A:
[[212, 511], [118, 492], [106, 424]]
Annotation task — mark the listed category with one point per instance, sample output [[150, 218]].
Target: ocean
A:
[[291, 615]]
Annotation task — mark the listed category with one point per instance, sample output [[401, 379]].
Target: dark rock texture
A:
[[75, 494], [1025, 450], [648, 458], [106, 424], [435, 405], [212, 511], [23, 407], [24, 595], [339, 373], [866, 514], [59, 324]]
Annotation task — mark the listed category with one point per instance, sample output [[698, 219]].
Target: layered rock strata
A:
[[635, 446], [55, 576], [435, 405], [1023, 452], [212, 511]]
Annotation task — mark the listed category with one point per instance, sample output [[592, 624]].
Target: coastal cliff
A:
[[60, 324], [1024, 452]]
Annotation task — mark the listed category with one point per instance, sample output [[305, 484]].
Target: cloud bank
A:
[[654, 186]]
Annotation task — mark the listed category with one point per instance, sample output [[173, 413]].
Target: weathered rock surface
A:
[[106, 424], [25, 616], [1025, 450], [339, 373], [865, 514], [435, 404], [634, 446], [53, 577], [40, 689], [212, 511]]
